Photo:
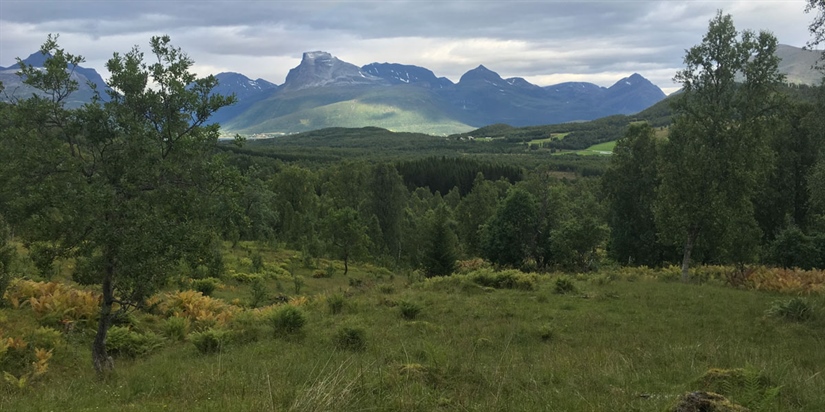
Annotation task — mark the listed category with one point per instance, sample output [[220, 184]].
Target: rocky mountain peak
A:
[[482, 73], [319, 68]]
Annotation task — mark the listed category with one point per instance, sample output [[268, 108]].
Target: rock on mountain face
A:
[[798, 64], [247, 91], [632, 95], [243, 87], [322, 69], [396, 73]]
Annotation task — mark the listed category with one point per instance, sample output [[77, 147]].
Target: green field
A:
[[553, 136], [618, 341]]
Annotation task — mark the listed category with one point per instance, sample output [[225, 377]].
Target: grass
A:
[[553, 136], [599, 149], [614, 345]]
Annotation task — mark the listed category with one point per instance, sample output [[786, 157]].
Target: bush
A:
[[210, 340], [796, 309], [257, 263], [546, 333], [350, 338], [46, 338], [205, 286], [506, 279], [242, 277], [122, 341], [259, 294], [176, 328], [564, 285], [409, 310], [336, 303], [203, 311], [247, 326], [287, 320]]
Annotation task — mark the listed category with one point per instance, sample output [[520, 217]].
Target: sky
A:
[[546, 42]]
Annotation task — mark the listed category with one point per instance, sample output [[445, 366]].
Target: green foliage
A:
[[713, 161], [443, 174], [747, 387], [795, 309], [409, 310], [346, 235], [630, 184], [128, 185], [259, 295], [336, 303], [257, 263], [287, 320], [505, 279], [176, 328], [46, 338], [564, 285], [123, 341], [7, 256], [510, 236], [243, 277], [440, 253], [793, 248], [205, 286], [547, 333], [210, 340], [352, 338]]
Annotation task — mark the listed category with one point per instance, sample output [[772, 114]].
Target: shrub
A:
[[409, 310], [564, 285], [46, 338], [546, 333], [319, 274], [336, 303], [287, 320], [203, 311], [122, 341], [748, 387], [53, 303], [176, 328], [205, 286], [506, 279], [247, 326], [210, 340], [796, 309], [350, 338], [259, 294], [257, 263], [242, 277], [331, 270]]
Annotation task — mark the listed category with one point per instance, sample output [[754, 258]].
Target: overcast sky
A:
[[546, 42]]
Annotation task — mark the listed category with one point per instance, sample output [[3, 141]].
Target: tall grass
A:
[[613, 345]]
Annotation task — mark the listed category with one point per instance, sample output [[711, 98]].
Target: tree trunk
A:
[[346, 264], [691, 240], [100, 358]]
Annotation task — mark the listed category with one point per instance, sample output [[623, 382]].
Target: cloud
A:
[[543, 41]]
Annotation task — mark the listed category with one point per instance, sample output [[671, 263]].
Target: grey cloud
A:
[[516, 38]]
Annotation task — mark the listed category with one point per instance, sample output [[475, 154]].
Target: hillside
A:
[[324, 91]]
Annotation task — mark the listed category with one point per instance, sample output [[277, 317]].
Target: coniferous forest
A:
[[147, 261]]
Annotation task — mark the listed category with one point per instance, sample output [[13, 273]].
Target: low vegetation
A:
[[486, 340]]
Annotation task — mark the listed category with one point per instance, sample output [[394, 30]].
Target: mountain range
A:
[[324, 91]]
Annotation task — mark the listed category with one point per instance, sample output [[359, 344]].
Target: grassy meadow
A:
[[617, 340]]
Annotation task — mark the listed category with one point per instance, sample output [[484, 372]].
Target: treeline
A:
[[369, 211], [738, 180], [442, 174]]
